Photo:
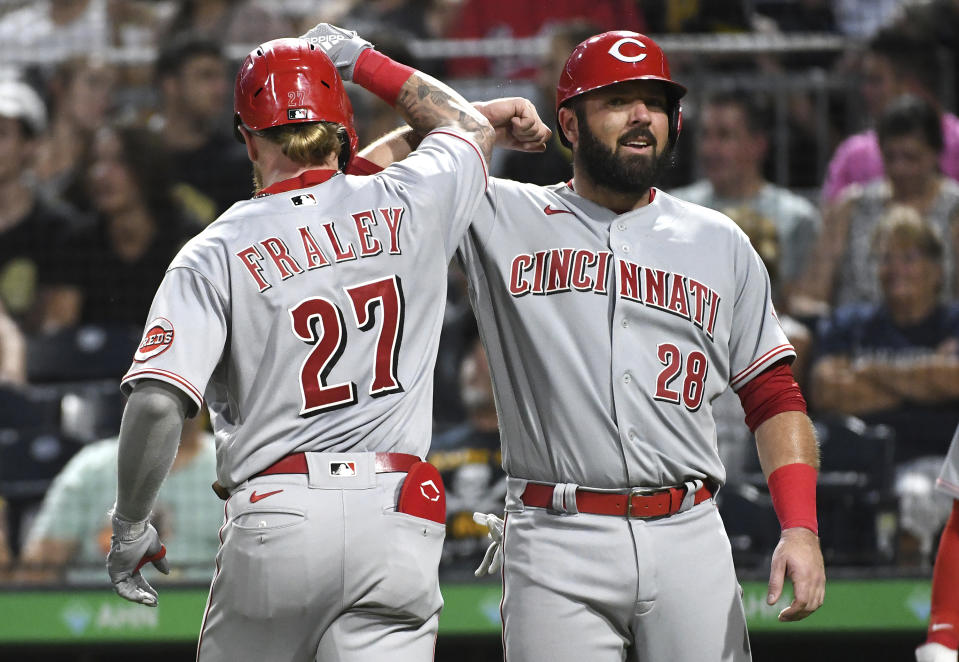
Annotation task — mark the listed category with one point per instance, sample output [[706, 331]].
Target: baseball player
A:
[[942, 639], [307, 319], [613, 315]]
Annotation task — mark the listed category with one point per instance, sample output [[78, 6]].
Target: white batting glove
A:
[[133, 545], [933, 652], [343, 47], [493, 560]]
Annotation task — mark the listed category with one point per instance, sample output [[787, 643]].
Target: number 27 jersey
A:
[[308, 319]]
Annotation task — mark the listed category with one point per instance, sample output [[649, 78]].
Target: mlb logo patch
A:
[[297, 114], [306, 199], [342, 468], [156, 340]]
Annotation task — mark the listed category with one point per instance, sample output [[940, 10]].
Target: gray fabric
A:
[[149, 438], [318, 573]]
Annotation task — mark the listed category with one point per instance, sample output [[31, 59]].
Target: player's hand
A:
[[133, 545], [493, 560], [798, 557], [517, 124], [933, 652], [343, 47]]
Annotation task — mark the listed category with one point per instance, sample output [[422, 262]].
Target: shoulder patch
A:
[[156, 340]]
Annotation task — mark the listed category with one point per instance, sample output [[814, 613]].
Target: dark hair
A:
[[908, 115], [177, 52], [754, 108], [908, 55], [148, 164]]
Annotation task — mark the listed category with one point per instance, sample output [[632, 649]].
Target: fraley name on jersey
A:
[[324, 245], [568, 269]]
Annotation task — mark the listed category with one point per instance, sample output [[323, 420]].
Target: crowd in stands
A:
[[116, 148]]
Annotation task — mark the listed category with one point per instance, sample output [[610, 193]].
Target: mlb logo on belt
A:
[[300, 200], [342, 468], [297, 114]]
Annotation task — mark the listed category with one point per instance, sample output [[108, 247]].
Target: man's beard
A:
[[623, 174]]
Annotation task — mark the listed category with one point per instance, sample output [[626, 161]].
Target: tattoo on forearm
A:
[[429, 106]]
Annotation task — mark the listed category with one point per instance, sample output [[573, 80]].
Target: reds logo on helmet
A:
[[156, 340], [616, 57]]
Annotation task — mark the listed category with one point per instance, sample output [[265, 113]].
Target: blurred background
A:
[[825, 128]]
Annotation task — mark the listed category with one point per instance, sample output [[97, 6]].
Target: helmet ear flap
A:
[[237, 123], [675, 123]]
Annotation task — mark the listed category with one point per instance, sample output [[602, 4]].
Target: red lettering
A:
[[518, 286], [629, 281], [314, 256], [251, 259], [582, 260], [393, 217], [369, 245], [339, 254], [281, 257]]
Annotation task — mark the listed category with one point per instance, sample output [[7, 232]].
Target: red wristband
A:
[[793, 491], [381, 75]]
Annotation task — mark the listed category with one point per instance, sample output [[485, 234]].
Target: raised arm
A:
[[425, 103]]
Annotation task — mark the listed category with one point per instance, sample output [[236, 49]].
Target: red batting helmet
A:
[[290, 81], [614, 57]]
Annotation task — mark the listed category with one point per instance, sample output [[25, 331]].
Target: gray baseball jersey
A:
[[287, 315], [948, 481], [609, 336]]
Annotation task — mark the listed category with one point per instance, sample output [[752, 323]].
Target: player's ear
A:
[[568, 124]]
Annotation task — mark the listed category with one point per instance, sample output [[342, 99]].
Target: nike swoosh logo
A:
[[940, 626], [549, 210], [254, 497]]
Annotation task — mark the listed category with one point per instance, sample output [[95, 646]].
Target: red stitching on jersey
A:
[[781, 349], [194, 392], [475, 149]]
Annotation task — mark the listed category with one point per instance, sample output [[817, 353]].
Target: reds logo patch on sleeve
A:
[[156, 340]]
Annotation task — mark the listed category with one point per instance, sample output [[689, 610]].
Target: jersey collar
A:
[[303, 180]]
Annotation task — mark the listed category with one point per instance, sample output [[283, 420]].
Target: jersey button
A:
[[625, 249], [621, 226], [627, 378], [625, 323]]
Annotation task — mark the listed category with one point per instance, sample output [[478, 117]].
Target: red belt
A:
[[384, 463], [638, 503]]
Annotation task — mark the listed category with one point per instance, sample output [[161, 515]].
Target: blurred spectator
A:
[[685, 16], [894, 64], [863, 18], [896, 361], [736, 442], [29, 225], [81, 92], [843, 269], [733, 137], [51, 30], [114, 265], [483, 19], [209, 166], [468, 457], [70, 536], [800, 15], [390, 24], [13, 351], [553, 165], [246, 22], [936, 24]]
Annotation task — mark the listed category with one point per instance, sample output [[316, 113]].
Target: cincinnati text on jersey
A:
[[568, 269], [324, 244]]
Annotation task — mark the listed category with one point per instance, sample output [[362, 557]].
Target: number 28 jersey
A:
[[308, 318], [610, 335]]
